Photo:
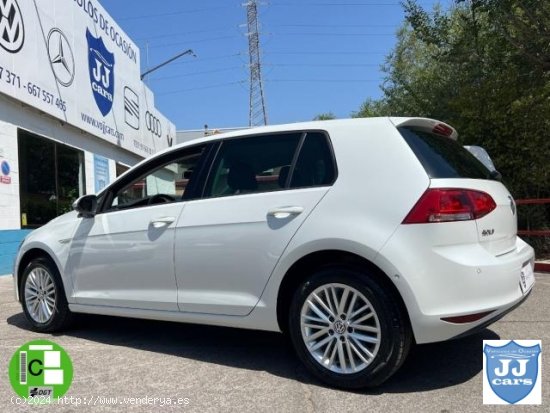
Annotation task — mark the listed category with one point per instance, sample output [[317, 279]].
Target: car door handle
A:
[[162, 221], [285, 212]]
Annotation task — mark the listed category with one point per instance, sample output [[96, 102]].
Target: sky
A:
[[317, 55]]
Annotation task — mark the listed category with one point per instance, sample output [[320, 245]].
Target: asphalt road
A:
[[222, 369]]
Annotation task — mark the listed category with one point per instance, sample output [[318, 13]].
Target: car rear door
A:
[[259, 191]]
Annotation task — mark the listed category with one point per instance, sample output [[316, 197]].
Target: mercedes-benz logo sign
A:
[[61, 57], [12, 31], [153, 124]]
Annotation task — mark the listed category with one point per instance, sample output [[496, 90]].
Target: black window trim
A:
[[294, 160], [332, 157], [143, 170], [303, 135]]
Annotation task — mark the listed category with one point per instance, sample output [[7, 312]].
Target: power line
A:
[[323, 80], [326, 52], [149, 16], [239, 82], [366, 26], [212, 39], [160, 36], [226, 69], [323, 64], [316, 4], [177, 34], [199, 59], [332, 34]]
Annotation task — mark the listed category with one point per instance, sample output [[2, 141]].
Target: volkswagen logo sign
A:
[[12, 31], [61, 57], [153, 124]]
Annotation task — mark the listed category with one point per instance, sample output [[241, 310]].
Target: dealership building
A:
[[74, 112]]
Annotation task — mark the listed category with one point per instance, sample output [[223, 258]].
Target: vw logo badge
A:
[[12, 31]]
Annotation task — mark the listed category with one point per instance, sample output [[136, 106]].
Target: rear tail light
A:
[[450, 204], [442, 129]]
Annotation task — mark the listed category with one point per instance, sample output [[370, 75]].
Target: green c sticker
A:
[[41, 369]]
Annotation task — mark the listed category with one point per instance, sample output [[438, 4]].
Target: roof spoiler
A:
[[427, 125]]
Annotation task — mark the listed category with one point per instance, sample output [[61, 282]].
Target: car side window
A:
[[315, 164], [164, 183], [252, 164]]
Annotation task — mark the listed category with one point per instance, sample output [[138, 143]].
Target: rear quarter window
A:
[[443, 157]]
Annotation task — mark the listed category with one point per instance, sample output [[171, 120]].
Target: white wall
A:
[[9, 193]]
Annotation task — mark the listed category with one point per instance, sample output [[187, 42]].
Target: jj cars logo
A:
[[101, 63], [12, 31], [511, 372]]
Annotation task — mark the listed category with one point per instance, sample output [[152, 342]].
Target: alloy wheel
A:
[[340, 328], [40, 295]]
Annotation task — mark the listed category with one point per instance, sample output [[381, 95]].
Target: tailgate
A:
[[497, 230]]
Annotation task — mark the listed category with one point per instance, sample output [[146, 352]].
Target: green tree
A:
[[325, 116], [482, 66]]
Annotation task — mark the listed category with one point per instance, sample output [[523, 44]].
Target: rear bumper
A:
[[452, 281], [493, 319]]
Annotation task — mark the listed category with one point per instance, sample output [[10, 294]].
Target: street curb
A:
[[542, 267]]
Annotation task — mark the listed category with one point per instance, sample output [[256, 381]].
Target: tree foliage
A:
[[483, 66], [325, 116]]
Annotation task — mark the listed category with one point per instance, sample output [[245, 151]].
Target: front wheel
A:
[[347, 329], [43, 297]]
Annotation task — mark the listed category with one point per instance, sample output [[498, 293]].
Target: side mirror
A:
[[484, 157], [86, 206]]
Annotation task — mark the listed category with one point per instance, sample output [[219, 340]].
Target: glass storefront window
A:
[[51, 177]]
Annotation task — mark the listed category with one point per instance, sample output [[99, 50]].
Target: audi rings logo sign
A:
[[153, 124], [12, 31]]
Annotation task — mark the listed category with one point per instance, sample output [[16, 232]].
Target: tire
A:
[[387, 330], [42, 283]]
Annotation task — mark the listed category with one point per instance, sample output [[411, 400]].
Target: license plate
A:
[[526, 278]]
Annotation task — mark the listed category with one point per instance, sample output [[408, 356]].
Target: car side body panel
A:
[[439, 270]]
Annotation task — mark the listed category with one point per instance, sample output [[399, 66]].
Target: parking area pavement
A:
[[220, 369]]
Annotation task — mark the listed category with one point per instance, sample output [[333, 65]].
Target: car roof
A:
[[298, 126]]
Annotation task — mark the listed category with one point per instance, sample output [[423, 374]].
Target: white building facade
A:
[[74, 112]]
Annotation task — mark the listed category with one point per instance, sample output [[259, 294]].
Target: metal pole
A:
[[189, 51]]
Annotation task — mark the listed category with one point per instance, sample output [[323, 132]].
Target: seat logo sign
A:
[[512, 372], [40, 369], [12, 31], [101, 63], [131, 108]]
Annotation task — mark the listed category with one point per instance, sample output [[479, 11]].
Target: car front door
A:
[[124, 256], [259, 191]]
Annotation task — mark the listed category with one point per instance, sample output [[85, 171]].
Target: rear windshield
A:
[[443, 157]]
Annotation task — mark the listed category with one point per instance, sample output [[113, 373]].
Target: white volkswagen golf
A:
[[356, 237]]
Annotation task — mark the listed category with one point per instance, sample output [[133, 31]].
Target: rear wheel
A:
[[347, 329], [43, 297]]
